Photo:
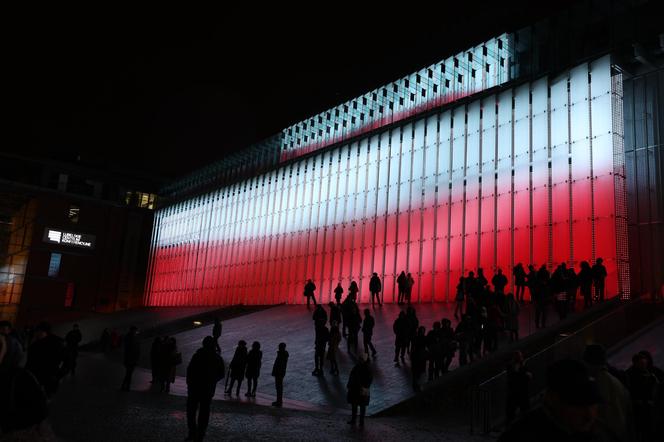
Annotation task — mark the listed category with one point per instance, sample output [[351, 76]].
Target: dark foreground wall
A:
[[644, 150]]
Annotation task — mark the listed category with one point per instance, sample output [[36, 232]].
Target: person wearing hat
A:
[[569, 409], [358, 385], [616, 410]]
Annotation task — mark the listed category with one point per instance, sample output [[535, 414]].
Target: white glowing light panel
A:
[[532, 175]]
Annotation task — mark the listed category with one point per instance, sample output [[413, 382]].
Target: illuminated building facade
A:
[[487, 159]]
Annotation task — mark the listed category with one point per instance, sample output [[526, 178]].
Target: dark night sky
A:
[[163, 92]]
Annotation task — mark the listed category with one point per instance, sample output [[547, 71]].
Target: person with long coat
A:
[[375, 288], [205, 369], [237, 367], [254, 358], [358, 386], [279, 372]]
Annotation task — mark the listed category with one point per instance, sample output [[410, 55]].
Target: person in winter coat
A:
[[320, 343], [401, 337], [460, 294], [338, 293], [237, 367], [335, 313], [359, 383], [519, 282], [418, 357], [132, 353], [585, 278], [353, 290], [333, 348], [512, 310], [216, 334], [599, 276], [45, 357], [410, 282], [375, 288], [253, 370], [367, 332], [205, 369], [72, 340], [309, 289], [320, 316], [279, 372], [171, 358], [401, 286]]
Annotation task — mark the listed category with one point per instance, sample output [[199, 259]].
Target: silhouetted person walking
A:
[[599, 276], [320, 343], [512, 310], [448, 345], [171, 358], [254, 359], [237, 367], [418, 357], [338, 293], [585, 278], [216, 334], [465, 335], [335, 313], [279, 372], [309, 289], [354, 321], [359, 383], [367, 332], [333, 348], [132, 353], [375, 288], [205, 369], [72, 339], [531, 281], [45, 357], [542, 298]]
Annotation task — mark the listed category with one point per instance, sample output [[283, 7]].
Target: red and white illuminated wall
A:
[[533, 174]]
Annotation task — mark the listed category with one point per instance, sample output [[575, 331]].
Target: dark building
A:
[[73, 239]]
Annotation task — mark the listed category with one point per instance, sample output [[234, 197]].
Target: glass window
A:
[[73, 213], [54, 265]]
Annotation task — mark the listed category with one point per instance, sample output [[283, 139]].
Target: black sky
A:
[[165, 91]]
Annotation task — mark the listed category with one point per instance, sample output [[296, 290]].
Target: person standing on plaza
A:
[[367, 332], [599, 276], [434, 348], [171, 359], [205, 369], [335, 313], [353, 290], [354, 321], [410, 282], [320, 343], [585, 278], [216, 334], [531, 282], [499, 282], [519, 282], [254, 359], [132, 353], [333, 347], [237, 367], [279, 372], [359, 383], [542, 298], [401, 286], [13, 349], [512, 310], [400, 328], [460, 294], [338, 293], [320, 316], [448, 345], [45, 357], [72, 340], [413, 324], [309, 289], [375, 288], [480, 282], [418, 357]]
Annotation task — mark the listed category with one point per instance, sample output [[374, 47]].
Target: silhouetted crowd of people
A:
[[587, 400]]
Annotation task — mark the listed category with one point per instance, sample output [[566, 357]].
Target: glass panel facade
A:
[[518, 176]]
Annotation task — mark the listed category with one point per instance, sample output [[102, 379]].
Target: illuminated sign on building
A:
[[54, 236]]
